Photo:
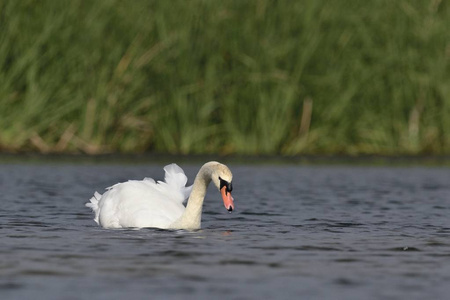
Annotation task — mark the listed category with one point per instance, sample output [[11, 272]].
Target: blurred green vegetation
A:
[[212, 76]]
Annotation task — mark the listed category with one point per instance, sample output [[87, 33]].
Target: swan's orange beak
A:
[[227, 199]]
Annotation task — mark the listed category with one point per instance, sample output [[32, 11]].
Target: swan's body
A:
[[147, 203]]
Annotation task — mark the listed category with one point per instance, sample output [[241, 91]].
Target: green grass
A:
[[210, 76]]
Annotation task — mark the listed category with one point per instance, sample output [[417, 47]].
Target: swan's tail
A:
[[94, 205]]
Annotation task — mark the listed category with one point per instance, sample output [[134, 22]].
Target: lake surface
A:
[[297, 232]]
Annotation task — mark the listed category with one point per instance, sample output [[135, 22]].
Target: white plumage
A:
[[143, 203]]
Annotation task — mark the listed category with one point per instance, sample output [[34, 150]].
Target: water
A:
[[297, 233]]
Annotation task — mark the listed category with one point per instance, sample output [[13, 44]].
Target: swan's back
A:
[[143, 203]]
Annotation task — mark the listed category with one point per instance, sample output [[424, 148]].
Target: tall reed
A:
[[208, 76]]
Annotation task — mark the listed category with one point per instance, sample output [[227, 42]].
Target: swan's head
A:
[[222, 177]]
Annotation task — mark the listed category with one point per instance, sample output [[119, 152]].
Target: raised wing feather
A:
[[176, 180], [175, 175]]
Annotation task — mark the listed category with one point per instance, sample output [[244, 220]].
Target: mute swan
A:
[[146, 203]]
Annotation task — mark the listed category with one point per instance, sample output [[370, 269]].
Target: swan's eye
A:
[[228, 185]]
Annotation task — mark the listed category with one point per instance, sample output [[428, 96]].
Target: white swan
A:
[[146, 203]]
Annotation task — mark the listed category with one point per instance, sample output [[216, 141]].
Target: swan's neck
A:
[[192, 216]]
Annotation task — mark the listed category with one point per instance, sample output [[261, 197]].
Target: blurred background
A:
[[227, 77]]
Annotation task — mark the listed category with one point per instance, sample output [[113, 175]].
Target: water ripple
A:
[[319, 232]]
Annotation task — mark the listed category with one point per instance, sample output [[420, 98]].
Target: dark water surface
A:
[[298, 232]]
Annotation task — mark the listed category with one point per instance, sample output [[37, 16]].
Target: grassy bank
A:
[[246, 77]]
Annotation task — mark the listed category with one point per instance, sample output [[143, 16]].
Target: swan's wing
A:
[[175, 176], [139, 203], [175, 183], [173, 188]]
